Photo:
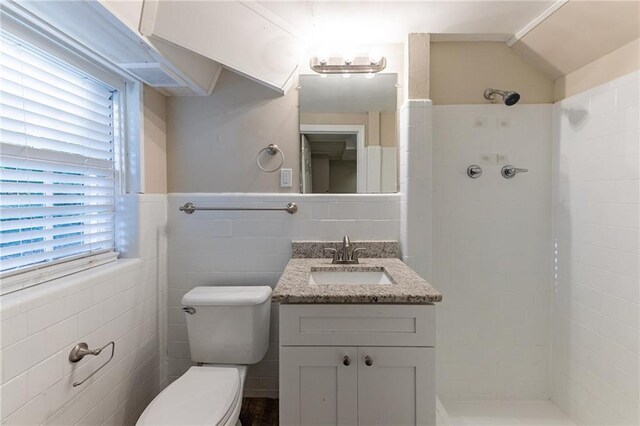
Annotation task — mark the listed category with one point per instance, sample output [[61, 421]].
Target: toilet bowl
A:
[[206, 395], [228, 329]]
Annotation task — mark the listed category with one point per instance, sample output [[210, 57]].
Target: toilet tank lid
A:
[[214, 295]]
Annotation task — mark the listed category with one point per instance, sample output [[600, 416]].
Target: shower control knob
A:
[[474, 171], [346, 360], [509, 171], [368, 360]]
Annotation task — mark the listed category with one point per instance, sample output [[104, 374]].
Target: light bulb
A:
[[369, 75], [348, 56], [323, 56], [375, 56]]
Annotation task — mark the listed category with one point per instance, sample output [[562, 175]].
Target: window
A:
[[57, 161]]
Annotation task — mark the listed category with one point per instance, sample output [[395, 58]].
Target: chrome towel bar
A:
[[81, 350], [189, 208]]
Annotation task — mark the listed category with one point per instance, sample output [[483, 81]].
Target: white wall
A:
[[416, 185], [121, 301], [252, 248], [596, 145], [492, 252]]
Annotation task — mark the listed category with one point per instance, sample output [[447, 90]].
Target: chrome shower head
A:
[[509, 97]]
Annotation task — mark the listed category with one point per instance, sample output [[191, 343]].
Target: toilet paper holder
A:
[[81, 350]]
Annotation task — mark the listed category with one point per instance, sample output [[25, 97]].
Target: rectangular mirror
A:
[[348, 133]]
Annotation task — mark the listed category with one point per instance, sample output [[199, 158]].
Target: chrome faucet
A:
[[346, 256]]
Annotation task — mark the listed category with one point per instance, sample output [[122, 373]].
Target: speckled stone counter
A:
[[316, 249], [406, 287]]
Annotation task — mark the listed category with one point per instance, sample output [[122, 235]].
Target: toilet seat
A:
[[207, 395]]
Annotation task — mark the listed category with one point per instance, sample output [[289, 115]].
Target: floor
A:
[[259, 412], [506, 414], [264, 412]]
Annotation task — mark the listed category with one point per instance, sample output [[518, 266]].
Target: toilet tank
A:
[[228, 325]]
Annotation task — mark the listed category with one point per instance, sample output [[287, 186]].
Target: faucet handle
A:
[[335, 253], [354, 253], [509, 171]]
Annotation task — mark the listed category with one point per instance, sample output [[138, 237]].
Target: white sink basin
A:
[[349, 278]]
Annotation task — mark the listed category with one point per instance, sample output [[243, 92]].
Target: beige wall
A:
[[418, 58], [621, 61], [388, 129], [461, 71], [343, 177], [386, 136], [320, 173], [155, 141], [337, 119], [212, 141]]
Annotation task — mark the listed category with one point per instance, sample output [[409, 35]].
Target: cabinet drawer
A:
[[357, 325]]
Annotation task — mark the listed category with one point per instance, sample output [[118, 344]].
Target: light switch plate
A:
[[286, 178]]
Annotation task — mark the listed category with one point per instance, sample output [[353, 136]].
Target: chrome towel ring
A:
[[271, 149]]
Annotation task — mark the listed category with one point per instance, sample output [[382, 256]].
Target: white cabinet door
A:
[[398, 387], [317, 387]]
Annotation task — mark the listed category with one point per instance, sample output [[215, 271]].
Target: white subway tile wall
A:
[[210, 248], [492, 239], [121, 301], [596, 331], [416, 185]]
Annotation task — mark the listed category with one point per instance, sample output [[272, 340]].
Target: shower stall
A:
[[539, 271]]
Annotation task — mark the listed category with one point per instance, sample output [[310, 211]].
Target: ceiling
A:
[[333, 146], [578, 33], [363, 22]]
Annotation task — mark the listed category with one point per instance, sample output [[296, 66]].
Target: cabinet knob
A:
[[368, 360], [346, 360]]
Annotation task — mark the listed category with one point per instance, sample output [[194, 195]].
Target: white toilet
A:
[[228, 328]]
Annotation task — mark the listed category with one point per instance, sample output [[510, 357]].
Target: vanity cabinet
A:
[[357, 365]]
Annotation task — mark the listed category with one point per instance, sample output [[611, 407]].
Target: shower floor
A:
[[506, 413]]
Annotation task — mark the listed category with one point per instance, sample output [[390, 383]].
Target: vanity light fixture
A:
[[348, 65]]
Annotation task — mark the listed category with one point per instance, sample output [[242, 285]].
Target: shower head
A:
[[509, 97]]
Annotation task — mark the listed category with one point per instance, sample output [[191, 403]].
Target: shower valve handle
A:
[[509, 171]]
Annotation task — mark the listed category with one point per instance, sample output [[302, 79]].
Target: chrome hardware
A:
[[358, 65], [354, 254], [509, 171], [336, 254], [509, 97], [474, 171], [189, 310], [189, 208], [346, 360], [81, 350], [271, 149], [346, 256], [368, 360]]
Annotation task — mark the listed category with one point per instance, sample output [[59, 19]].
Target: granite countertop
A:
[[407, 286]]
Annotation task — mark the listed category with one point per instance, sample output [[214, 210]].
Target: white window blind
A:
[[57, 174]]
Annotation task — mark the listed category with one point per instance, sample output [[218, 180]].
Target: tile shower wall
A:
[[252, 248], [596, 146], [120, 301], [416, 185], [492, 251]]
